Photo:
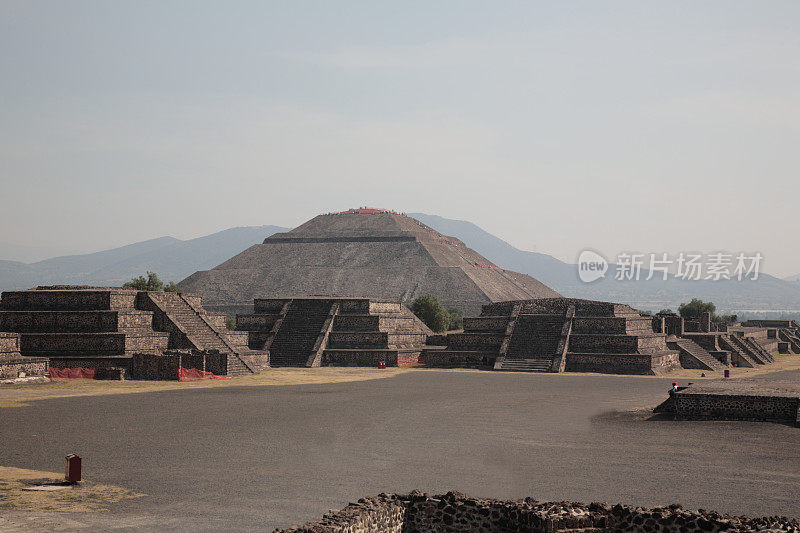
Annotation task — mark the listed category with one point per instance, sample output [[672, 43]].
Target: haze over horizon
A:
[[617, 126]]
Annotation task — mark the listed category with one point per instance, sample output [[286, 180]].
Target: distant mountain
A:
[[173, 259], [25, 253], [766, 293], [795, 278]]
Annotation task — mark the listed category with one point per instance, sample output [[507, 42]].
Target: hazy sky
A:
[[642, 126]]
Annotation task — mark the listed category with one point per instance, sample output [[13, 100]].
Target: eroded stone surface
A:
[[453, 512]]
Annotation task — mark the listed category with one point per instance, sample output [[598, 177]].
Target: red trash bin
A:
[[72, 470]]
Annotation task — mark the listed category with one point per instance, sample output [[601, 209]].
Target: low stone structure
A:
[[13, 365], [787, 333], [334, 331], [735, 399], [706, 346], [558, 335], [454, 512], [102, 327]]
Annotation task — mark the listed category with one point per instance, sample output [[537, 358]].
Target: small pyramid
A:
[[367, 252]]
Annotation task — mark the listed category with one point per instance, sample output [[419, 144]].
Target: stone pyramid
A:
[[365, 252]]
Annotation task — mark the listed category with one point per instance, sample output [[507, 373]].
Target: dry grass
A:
[[84, 497], [20, 395]]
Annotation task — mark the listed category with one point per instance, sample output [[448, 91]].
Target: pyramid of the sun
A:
[[362, 252]]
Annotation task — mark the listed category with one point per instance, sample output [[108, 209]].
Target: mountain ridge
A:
[[173, 259]]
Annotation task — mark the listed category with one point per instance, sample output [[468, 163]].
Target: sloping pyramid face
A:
[[369, 253]]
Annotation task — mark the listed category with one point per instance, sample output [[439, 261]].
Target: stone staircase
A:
[[697, 356], [199, 332], [756, 347], [738, 356], [748, 348], [533, 344], [294, 342], [526, 365], [788, 335]]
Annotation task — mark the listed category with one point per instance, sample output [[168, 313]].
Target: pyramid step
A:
[[526, 365]]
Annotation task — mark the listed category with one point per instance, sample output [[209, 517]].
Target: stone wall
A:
[[251, 322], [363, 339], [359, 357], [165, 367], [488, 324], [623, 363], [55, 300], [43, 344], [155, 367], [454, 512], [736, 407], [16, 367], [9, 343], [449, 359]]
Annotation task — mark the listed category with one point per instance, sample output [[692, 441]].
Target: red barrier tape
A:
[[192, 374], [71, 373]]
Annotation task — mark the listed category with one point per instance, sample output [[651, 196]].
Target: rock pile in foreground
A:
[[452, 512]]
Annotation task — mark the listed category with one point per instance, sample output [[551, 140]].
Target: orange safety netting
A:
[[193, 374], [71, 373]]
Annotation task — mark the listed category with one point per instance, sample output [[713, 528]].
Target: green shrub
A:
[[151, 283], [456, 318], [431, 312]]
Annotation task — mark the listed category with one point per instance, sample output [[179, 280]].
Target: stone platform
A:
[[558, 335], [103, 327], [334, 331], [736, 399]]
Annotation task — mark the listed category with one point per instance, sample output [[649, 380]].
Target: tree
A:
[[230, 322], [724, 319], [172, 287], [150, 283], [666, 312], [456, 318], [431, 312], [695, 309]]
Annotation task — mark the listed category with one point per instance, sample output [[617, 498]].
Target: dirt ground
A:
[[22, 394], [285, 446]]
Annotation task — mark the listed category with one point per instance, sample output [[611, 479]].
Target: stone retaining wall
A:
[[9, 343], [454, 512], [359, 357], [55, 300], [13, 368], [164, 367], [736, 407], [623, 363], [448, 359]]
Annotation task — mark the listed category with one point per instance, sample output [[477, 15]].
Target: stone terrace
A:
[[98, 327], [334, 331], [558, 335]]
